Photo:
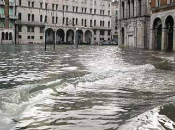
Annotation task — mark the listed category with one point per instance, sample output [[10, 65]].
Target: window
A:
[[19, 16], [41, 37], [33, 3], [157, 3], [53, 19], [28, 3], [41, 29], [28, 37], [76, 21], [109, 23], [41, 5], [19, 28], [94, 22], [19, 36], [28, 17], [53, 6], [46, 5], [94, 32], [45, 19], [90, 23], [32, 37], [33, 17], [56, 19], [41, 18], [19, 2], [109, 33]]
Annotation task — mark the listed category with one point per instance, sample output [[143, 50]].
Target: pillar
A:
[[65, 37], [44, 37], [174, 39], [55, 37], [83, 36], [75, 37], [163, 37]]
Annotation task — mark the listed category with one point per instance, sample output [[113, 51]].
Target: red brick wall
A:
[[6, 12]]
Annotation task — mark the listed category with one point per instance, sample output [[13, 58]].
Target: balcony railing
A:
[[13, 17]]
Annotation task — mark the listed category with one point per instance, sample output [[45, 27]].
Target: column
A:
[[65, 37], [83, 36], [44, 36], [55, 37], [152, 40], [125, 4], [163, 37], [173, 38], [75, 37]]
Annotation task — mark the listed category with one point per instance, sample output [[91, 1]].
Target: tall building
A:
[[7, 21], [134, 23], [162, 25], [114, 20], [58, 21]]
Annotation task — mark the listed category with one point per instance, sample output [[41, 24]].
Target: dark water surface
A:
[[92, 88]]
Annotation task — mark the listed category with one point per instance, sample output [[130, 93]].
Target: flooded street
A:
[[92, 88]]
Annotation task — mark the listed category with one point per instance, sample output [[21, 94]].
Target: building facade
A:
[[134, 23], [7, 21], [114, 20], [162, 25], [50, 21]]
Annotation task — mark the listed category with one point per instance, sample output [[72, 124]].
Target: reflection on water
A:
[[94, 87]]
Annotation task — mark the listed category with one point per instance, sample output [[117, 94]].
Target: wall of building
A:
[[59, 14], [134, 20]]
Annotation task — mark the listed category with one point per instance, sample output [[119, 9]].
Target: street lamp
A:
[[77, 38]]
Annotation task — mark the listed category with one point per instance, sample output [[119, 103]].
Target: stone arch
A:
[[10, 36], [60, 36], [157, 34], [88, 37], [169, 24], [3, 36], [49, 36], [70, 36], [6, 36], [80, 36]]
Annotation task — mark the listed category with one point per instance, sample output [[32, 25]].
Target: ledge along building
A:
[[7, 21], [162, 25], [57, 21], [134, 23]]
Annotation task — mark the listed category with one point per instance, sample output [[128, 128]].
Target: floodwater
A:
[[90, 88]]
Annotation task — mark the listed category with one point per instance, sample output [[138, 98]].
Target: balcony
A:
[[13, 17], [2, 2], [2, 16]]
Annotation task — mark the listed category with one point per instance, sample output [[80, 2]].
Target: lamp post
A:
[[77, 38]]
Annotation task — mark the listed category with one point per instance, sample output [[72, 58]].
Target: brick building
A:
[[7, 21], [162, 25]]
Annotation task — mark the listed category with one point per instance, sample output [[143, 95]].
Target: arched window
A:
[[19, 16], [6, 36], [157, 3], [123, 9], [129, 8], [139, 7], [10, 36]]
